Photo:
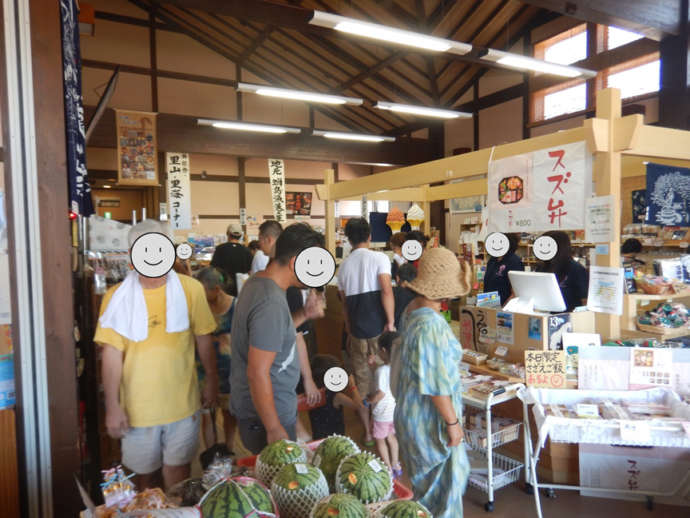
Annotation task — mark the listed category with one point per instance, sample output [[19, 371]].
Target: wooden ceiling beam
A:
[[263, 35], [181, 132], [653, 18]]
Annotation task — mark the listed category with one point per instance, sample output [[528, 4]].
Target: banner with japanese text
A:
[[179, 191], [276, 173], [540, 191], [137, 151]]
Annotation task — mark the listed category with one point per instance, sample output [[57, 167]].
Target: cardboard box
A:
[[508, 335]]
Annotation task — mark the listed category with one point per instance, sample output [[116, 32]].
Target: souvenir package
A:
[[474, 357], [118, 491], [671, 316]]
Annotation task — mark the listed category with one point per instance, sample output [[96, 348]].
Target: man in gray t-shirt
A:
[[265, 363]]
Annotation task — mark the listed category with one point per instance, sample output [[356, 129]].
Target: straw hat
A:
[[441, 276]]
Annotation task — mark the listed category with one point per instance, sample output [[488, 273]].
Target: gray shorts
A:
[[253, 434], [146, 449]]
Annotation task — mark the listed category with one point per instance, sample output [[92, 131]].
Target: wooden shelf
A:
[[483, 369], [630, 311], [647, 296]]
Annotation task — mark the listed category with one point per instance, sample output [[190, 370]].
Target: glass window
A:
[[567, 51], [618, 37], [636, 81], [569, 100]]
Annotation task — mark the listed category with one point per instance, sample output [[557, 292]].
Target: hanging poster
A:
[[639, 206], [599, 219], [298, 203], [276, 174], [136, 148], [540, 191], [605, 294], [466, 204], [179, 190], [668, 195]]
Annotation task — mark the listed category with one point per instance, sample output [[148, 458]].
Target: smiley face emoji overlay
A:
[[335, 379], [412, 250], [545, 248], [497, 244], [152, 254], [314, 267]]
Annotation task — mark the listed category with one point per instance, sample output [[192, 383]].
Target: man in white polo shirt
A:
[[364, 282]]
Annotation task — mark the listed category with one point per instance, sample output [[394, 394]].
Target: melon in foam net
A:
[[340, 505], [330, 454], [403, 509], [227, 500], [297, 488], [276, 455], [365, 476]]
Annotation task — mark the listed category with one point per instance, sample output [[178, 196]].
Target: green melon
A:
[[340, 505], [365, 476], [404, 509], [297, 488], [258, 494], [330, 454], [276, 455], [227, 500]]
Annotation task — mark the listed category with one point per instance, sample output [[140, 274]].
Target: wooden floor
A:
[[513, 502]]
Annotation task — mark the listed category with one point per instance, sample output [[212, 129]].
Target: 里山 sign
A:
[[179, 191]]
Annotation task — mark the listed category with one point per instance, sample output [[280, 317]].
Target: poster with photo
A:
[[137, 153], [639, 205], [651, 367], [298, 203]]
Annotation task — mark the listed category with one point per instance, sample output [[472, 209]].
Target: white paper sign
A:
[[599, 219], [276, 173], [243, 216], [605, 293], [539, 191], [635, 431], [651, 367], [179, 190]]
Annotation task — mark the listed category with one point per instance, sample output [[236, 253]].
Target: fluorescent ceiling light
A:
[[353, 136], [247, 126], [519, 62], [421, 110], [298, 95], [374, 164], [390, 34]]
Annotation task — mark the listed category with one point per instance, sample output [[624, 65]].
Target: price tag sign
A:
[[587, 411], [635, 431], [375, 465], [301, 469], [545, 369]]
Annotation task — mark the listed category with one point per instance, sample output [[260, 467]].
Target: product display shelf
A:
[[576, 430], [500, 470], [483, 369], [630, 308]]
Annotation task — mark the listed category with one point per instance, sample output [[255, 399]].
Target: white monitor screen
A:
[[541, 288]]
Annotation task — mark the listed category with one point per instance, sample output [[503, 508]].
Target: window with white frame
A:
[[616, 37], [566, 101]]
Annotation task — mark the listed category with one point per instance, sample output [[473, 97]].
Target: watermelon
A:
[[276, 455], [297, 488], [227, 500], [330, 454], [365, 476], [404, 509], [340, 505], [258, 494]]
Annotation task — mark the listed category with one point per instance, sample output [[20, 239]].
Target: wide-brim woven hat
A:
[[441, 276]]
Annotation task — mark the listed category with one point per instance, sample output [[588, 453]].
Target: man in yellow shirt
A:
[[151, 392]]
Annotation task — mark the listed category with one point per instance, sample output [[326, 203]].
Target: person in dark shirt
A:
[[401, 293], [496, 275], [329, 418], [573, 278], [232, 257]]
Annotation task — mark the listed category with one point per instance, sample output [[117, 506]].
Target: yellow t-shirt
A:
[[159, 384]]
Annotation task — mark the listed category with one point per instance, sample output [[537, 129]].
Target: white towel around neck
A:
[[128, 315]]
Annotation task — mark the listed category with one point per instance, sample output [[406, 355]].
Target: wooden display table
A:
[[9, 473]]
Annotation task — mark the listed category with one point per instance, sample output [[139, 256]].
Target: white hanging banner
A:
[[540, 191], [179, 190], [276, 173]]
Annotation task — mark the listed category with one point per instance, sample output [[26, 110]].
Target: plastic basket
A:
[[399, 490], [505, 472]]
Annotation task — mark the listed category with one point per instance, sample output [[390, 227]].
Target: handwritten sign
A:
[[137, 155], [276, 173], [179, 190], [599, 219], [542, 190], [545, 369]]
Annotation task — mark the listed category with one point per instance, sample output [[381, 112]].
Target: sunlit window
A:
[[638, 80], [567, 51], [618, 37], [565, 101]]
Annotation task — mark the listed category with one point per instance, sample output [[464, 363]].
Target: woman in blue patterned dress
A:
[[428, 394]]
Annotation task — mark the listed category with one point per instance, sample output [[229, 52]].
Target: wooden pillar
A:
[[154, 61], [328, 180], [426, 207], [607, 174]]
